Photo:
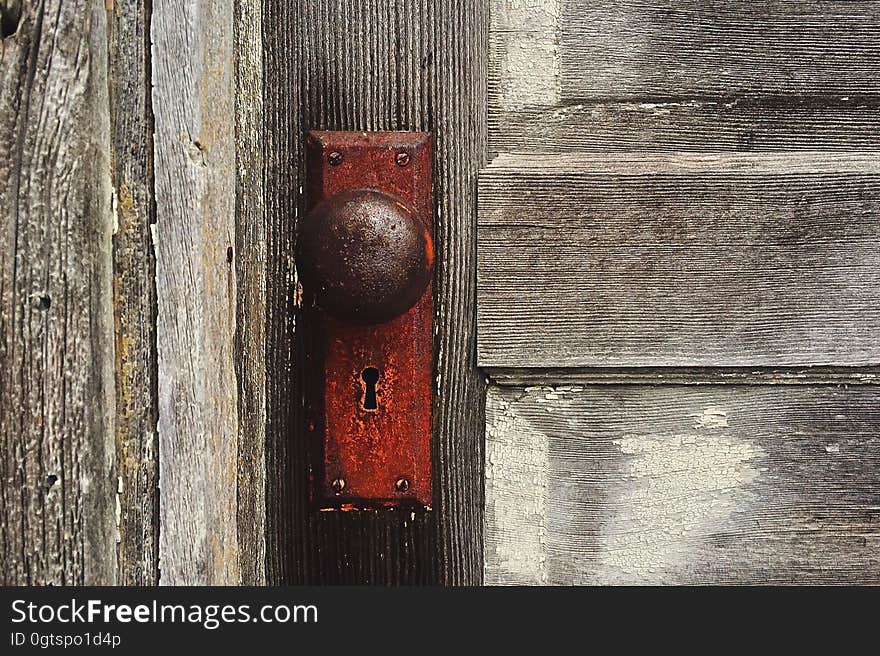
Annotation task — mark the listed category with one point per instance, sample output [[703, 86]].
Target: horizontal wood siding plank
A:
[[783, 124], [679, 260], [690, 375], [575, 76], [642, 49], [637, 484]]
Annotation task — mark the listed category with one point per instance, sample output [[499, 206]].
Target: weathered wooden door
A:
[[657, 301], [679, 292]]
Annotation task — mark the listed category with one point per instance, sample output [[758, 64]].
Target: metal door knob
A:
[[365, 256]]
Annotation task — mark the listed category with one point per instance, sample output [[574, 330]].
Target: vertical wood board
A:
[[377, 65], [210, 260], [57, 484], [134, 292]]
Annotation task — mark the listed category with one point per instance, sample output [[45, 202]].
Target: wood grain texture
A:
[[377, 65], [57, 523], [537, 66], [618, 245], [282, 176], [134, 293], [642, 49], [636, 484], [679, 260], [702, 125], [249, 255], [209, 246], [523, 377]]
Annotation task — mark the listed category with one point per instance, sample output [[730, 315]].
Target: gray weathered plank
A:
[[779, 124], [58, 492], [534, 108], [377, 65], [659, 259], [210, 255], [644, 49], [523, 377], [134, 293], [668, 484]]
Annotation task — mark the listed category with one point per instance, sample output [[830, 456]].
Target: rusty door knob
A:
[[364, 255]]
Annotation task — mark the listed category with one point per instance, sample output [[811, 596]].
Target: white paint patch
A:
[[832, 448], [516, 483], [118, 508], [711, 417], [525, 48], [675, 490], [551, 395], [114, 209]]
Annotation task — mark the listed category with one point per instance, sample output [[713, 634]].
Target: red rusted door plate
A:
[[371, 413]]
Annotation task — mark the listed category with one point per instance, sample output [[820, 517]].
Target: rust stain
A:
[[372, 448]]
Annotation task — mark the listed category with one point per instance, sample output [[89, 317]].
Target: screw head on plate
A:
[[402, 158], [334, 158]]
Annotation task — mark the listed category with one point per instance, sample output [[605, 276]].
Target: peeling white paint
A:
[[516, 482], [114, 209], [118, 510], [525, 48], [711, 417], [675, 490], [552, 394], [658, 108], [658, 484]]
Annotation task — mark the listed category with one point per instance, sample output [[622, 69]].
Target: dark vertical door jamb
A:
[[377, 65]]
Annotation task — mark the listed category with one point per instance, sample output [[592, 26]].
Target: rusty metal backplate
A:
[[371, 384]]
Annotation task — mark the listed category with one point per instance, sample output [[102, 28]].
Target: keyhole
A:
[[370, 376]]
